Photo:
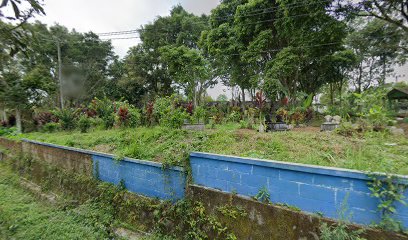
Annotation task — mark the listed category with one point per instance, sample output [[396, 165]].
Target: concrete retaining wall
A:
[[311, 188], [142, 177], [270, 222]]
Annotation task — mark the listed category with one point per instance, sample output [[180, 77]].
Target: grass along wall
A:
[[321, 190]]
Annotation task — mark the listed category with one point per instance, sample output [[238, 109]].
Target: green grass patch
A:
[[373, 151], [23, 216]]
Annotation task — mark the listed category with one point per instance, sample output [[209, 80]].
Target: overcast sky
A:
[[109, 16]]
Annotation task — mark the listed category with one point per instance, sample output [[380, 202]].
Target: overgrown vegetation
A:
[[389, 192], [107, 207], [367, 152], [340, 230], [43, 221]]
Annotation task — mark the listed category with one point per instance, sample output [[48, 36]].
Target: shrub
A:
[[338, 232], [346, 129], [149, 114], [297, 116], [50, 127], [4, 131], [67, 117], [167, 114], [217, 116], [97, 123], [105, 109], [43, 118], [175, 119], [84, 123], [123, 116], [377, 117], [134, 117], [190, 108], [283, 113], [245, 124], [199, 114], [234, 116]]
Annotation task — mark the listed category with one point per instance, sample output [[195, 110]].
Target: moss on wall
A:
[[270, 222]]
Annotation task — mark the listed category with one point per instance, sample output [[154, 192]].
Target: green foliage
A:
[[234, 117], [25, 217], [199, 115], [67, 118], [5, 131], [222, 98], [193, 222], [245, 124], [189, 68], [134, 117], [297, 116], [389, 192], [365, 151], [84, 123], [51, 127], [105, 109], [263, 195], [346, 129], [231, 211], [338, 231], [378, 117], [167, 112]]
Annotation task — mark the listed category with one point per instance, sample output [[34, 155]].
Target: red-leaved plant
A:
[[123, 115], [45, 117], [149, 112], [190, 108]]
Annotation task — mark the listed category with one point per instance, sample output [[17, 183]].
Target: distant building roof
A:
[[398, 93]]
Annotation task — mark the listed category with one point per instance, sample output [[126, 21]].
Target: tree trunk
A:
[[243, 99], [360, 75], [18, 121], [3, 114], [331, 93]]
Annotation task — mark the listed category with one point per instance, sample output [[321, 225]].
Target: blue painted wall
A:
[[310, 188], [141, 177]]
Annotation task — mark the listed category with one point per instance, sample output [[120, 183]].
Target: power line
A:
[[258, 12], [120, 38]]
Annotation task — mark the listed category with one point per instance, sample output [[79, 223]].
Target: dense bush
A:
[[346, 129], [43, 118], [67, 118], [105, 109], [167, 112], [128, 115], [199, 115], [378, 118], [84, 123], [4, 131], [50, 127], [234, 116]]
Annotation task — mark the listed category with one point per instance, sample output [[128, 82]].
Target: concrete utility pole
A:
[[60, 74]]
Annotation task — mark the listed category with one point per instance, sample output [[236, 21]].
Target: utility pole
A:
[[60, 74]]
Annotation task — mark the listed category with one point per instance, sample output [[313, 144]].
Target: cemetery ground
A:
[[369, 151]]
